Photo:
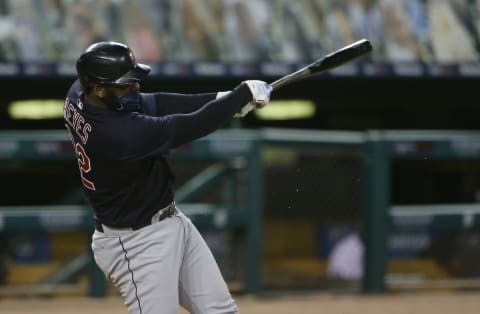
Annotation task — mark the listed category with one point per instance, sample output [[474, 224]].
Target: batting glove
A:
[[245, 109], [260, 91], [261, 96]]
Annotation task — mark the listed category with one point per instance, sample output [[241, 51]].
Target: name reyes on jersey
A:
[[76, 121]]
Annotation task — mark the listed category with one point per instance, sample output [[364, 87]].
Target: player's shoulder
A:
[[74, 91], [75, 87]]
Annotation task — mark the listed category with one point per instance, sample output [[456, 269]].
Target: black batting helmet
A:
[[109, 63]]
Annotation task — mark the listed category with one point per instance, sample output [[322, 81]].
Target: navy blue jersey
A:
[[121, 155]]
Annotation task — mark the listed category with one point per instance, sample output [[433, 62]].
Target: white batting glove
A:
[[261, 92], [245, 109], [261, 96]]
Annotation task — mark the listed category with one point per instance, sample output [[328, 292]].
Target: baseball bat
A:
[[335, 59]]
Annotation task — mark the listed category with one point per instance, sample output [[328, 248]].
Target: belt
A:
[[158, 216]]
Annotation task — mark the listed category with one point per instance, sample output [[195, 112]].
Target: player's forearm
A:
[[210, 117], [171, 103]]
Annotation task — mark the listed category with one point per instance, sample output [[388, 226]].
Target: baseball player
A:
[[142, 241]]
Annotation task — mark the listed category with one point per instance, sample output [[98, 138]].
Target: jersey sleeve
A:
[[145, 135], [172, 103]]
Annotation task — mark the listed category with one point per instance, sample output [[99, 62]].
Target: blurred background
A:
[[363, 179]]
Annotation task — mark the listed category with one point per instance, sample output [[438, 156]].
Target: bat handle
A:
[[290, 78], [278, 83]]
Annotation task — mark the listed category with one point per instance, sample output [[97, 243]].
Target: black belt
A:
[[159, 216]]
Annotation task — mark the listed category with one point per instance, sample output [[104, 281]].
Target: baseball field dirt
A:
[[412, 303]]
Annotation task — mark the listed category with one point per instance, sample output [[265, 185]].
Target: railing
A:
[[240, 150], [231, 150], [381, 148]]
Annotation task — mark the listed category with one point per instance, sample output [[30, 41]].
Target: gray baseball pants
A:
[[161, 266]]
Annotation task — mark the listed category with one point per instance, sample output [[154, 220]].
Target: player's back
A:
[[124, 179]]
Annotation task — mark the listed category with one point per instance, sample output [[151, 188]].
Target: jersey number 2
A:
[[85, 166]]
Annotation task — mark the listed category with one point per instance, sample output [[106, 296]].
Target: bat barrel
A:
[[335, 59]]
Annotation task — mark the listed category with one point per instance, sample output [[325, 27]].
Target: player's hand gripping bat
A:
[[335, 59]]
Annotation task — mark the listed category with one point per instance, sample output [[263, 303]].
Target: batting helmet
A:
[[109, 63]]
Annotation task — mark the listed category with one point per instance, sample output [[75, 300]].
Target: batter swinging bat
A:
[[335, 59]]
